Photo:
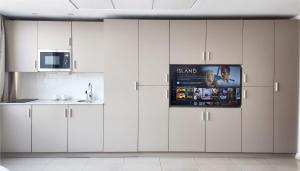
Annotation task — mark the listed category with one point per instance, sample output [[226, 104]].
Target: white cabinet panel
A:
[[187, 129], [258, 53], [223, 130], [49, 128], [16, 128], [21, 45], [121, 77], [54, 35], [87, 45], [187, 41], [257, 119], [85, 128], [286, 75], [153, 52], [224, 43], [153, 118]]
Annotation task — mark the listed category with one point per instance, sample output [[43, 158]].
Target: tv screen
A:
[[205, 85]]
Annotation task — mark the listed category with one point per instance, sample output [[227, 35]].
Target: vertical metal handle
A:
[[70, 41], [208, 55], [244, 78], [136, 84], [71, 113], [167, 78], [207, 116], [66, 113], [244, 94], [203, 56], [167, 94], [203, 117], [75, 64], [29, 112], [276, 86], [35, 64]]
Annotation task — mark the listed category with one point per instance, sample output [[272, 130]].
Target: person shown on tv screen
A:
[[210, 79], [225, 77]]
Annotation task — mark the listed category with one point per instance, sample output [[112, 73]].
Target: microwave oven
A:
[[54, 60]]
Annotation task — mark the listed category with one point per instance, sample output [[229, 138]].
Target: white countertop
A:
[[55, 102]]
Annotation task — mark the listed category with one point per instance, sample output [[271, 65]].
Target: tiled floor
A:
[[151, 164]]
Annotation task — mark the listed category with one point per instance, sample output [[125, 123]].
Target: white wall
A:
[[47, 85]]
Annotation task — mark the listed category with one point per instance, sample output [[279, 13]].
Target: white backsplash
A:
[[49, 85]]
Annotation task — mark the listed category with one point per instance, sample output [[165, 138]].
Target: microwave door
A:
[[54, 61]]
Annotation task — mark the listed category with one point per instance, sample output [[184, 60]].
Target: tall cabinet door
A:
[[187, 129], [257, 119], [286, 86], [187, 41], [153, 52], [223, 130], [121, 78], [21, 39], [258, 53], [87, 46], [85, 128], [153, 118], [54, 35], [224, 42], [49, 128], [16, 128]]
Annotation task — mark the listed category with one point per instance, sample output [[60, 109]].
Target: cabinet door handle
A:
[[167, 78], [167, 94], [136, 84], [70, 41], [71, 113], [276, 86], [244, 94], [208, 55], [66, 113], [203, 116], [75, 64], [35, 64], [244, 78], [203, 56], [207, 116], [29, 112]]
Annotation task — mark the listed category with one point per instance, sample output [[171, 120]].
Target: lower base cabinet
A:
[[16, 128], [223, 130], [49, 128], [85, 128], [187, 130]]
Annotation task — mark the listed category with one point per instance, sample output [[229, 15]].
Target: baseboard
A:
[[146, 154]]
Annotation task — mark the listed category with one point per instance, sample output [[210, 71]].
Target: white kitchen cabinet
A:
[[223, 130], [187, 130], [54, 35], [224, 43], [286, 86], [258, 53], [257, 120], [153, 52], [153, 118], [187, 41], [16, 128], [121, 85], [85, 128], [49, 128], [21, 45], [87, 46]]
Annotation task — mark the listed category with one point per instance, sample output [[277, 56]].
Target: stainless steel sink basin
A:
[[84, 101]]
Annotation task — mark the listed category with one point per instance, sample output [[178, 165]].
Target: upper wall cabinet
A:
[[286, 85], [121, 78], [21, 45], [87, 45], [187, 41], [153, 52], [54, 35], [258, 53], [224, 42]]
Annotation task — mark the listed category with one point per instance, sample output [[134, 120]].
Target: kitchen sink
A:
[[84, 101]]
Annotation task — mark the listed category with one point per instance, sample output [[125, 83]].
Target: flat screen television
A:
[[205, 85]]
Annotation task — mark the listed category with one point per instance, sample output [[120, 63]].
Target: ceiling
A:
[[99, 9]]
